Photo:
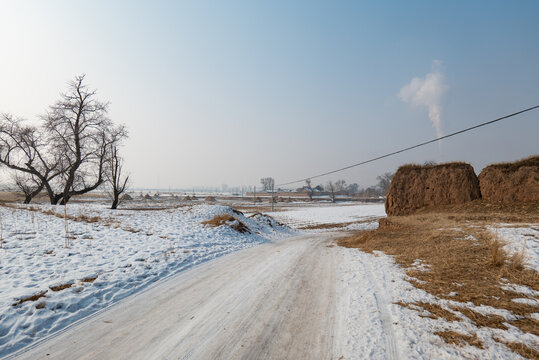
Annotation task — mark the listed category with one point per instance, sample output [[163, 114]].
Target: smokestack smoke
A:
[[427, 93]]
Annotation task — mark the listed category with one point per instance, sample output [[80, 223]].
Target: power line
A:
[[412, 147]]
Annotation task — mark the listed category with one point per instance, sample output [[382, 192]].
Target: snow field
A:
[[332, 214], [112, 254]]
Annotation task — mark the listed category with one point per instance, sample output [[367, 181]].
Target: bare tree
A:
[[267, 183], [29, 185], [330, 187], [383, 182], [116, 179], [340, 185], [82, 136], [309, 188], [26, 150], [352, 189]]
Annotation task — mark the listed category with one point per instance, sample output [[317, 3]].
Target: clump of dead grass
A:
[[521, 349], [30, 298], [459, 339], [61, 286], [435, 311], [497, 255], [229, 220]]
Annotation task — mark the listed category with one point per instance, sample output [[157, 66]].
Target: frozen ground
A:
[[372, 284], [292, 296], [111, 254], [351, 217]]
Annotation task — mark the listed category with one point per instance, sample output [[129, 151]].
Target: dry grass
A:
[[461, 268], [459, 339], [31, 298], [435, 311], [89, 279], [451, 165], [41, 305], [521, 349], [514, 166], [229, 220], [497, 255], [480, 320], [61, 287]]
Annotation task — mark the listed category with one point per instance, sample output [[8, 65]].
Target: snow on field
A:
[[46, 286], [525, 238], [345, 214], [377, 328]]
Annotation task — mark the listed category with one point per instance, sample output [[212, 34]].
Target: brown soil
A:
[[228, 220], [462, 268], [511, 182], [89, 279], [415, 186]]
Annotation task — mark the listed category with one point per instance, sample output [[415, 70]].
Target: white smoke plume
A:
[[427, 93]]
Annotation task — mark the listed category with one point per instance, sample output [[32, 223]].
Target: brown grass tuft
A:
[[61, 287], [435, 311], [89, 279], [227, 219], [518, 259], [41, 305], [459, 339], [497, 255], [521, 349], [480, 320], [31, 298]]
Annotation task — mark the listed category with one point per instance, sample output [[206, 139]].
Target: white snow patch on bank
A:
[[124, 251], [519, 239]]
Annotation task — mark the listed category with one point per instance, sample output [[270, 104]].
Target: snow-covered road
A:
[[274, 301]]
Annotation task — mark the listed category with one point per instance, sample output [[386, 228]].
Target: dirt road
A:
[[274, 301]]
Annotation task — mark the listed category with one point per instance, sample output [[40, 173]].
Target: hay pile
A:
[[511, 182], [415, 186], [187, 198], [127, 197], [210, 199], [227, 220]]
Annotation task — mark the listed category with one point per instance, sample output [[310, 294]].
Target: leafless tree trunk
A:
[[83, 134], [331, 189], [29, 185], [117, 182], [309, 189], [384, 181]]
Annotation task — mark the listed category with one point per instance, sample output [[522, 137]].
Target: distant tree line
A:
[[340, 187], [73, 150]]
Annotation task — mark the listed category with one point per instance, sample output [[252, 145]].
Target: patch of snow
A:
[[527, 301], [519, 239], [332, 214], [526, 290]]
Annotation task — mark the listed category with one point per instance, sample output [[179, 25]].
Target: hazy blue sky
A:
[[232, 91]]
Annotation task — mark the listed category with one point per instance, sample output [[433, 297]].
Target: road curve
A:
[[274, 301]]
